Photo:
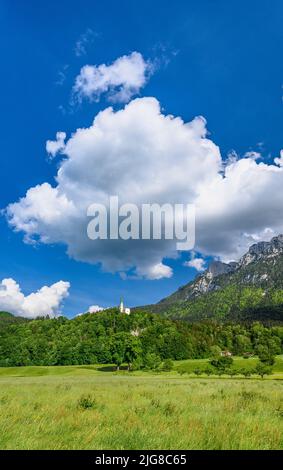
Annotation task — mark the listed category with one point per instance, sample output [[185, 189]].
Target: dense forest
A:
[[136, 339]]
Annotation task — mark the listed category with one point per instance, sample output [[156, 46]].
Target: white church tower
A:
[[124, 309]]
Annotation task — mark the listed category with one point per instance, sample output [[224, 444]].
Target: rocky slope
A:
[[261, 266], [253, 283]]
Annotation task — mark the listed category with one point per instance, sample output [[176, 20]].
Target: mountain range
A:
[[250, 289]]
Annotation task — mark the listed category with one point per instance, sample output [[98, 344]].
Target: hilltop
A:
[[7, 319]]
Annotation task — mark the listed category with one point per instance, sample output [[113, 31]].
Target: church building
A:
[[124, 309]]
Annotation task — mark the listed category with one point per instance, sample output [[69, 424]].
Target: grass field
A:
[[188, 366], [239, 363], [84, 407]]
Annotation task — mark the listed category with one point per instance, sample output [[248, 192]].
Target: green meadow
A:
[[93, 407], [189, 366]]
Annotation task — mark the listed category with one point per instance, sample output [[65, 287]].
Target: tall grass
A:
[[139, 412]]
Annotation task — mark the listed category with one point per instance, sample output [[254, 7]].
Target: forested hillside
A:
[[8, 319], [137, 339], [233, 303]]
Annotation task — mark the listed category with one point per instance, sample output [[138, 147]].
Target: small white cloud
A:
[[46, 301], [95, 309], [120, 81], [232, 157], [92, 309], [196, 263], [163, 54], [62, 75], [55, 146], [279, 160], [252, 155], [156, 271], [84, 40]]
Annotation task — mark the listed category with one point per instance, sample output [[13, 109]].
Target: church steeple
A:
[[121, 308]]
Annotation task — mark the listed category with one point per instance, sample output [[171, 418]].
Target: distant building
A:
[[226, 354], [124, 309]]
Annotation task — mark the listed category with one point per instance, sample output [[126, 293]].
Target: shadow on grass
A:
[[110, 368]]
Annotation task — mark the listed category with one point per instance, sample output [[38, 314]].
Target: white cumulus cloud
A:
[[144, 156], [46, 301], [55, 146], [196, 263], [120, 80]]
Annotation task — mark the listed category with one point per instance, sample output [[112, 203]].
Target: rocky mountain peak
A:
[[263, 250], [260, 266], [206, 281], [217, 267]]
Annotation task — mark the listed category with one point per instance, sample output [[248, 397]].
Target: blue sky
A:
[[221, 60]]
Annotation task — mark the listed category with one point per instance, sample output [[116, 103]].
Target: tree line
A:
[[140, 340]]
